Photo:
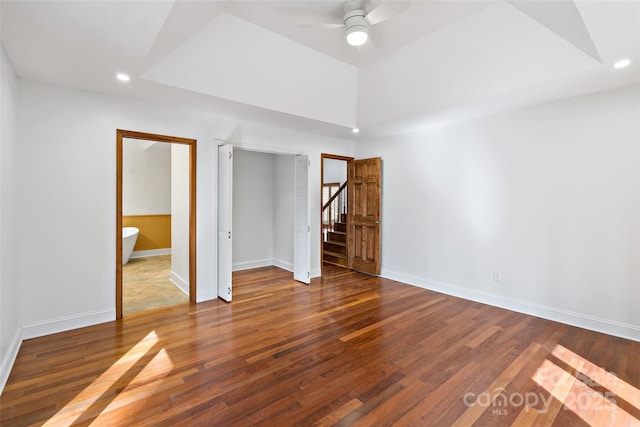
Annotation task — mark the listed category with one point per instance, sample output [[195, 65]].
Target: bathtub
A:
[[129, 237]]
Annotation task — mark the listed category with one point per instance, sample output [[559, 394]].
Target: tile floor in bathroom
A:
[[146, 285]]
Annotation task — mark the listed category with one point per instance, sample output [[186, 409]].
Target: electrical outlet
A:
[[497, 276]]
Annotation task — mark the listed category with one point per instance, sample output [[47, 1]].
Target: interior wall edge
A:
[[580, 320], [67, 323], [10, 358]]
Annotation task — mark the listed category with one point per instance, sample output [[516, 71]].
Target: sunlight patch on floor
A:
[[590, 392], [87, 397], [143, 386]]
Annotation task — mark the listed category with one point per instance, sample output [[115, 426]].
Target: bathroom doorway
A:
[[155, 199]]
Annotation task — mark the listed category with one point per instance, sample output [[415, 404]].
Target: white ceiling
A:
[[434, 63]]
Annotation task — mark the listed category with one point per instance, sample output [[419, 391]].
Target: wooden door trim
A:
[[120, 135], [334, 157]]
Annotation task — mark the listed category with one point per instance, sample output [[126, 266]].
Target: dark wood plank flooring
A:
[[347, 350]]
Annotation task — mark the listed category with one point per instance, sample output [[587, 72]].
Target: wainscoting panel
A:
[[155, 231]]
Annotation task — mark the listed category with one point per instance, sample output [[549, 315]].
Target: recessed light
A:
[[355, 130], [622, 63], [123, 77]]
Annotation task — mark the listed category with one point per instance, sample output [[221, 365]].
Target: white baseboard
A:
[[180, 283], [283, 264], [238, 266], [151, 252], [316, 273], [9, 358], [580, 320], [67, 323], [247, 265]]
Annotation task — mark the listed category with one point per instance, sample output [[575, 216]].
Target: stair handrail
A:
[[336, 194]]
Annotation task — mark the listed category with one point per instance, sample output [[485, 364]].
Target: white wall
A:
[[548, 196], [335, 171], [180, 216], [283, 211], [253, 207], [66, 173], [146, 177], [10, 330], [263, 210], [67, 179]]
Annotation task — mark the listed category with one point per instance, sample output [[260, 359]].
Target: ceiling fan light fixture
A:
[[357, 35]]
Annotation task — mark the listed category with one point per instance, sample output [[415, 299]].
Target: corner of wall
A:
[[283, 264], [11, 332], [9, 358]]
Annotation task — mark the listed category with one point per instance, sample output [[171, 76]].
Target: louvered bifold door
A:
[[225, 199], [302, 247]]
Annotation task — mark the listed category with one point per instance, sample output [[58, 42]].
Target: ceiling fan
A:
[[358, 17]]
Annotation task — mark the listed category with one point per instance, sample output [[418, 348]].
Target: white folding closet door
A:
[[225, 212], [302, 248]]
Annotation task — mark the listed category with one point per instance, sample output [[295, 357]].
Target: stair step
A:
[[340, 226], [342, 262], [334, 254], [334, 258], [338, 248], [336, 242], [343, 217], [337, 236]]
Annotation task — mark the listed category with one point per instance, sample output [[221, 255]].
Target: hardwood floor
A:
[[347, 350]]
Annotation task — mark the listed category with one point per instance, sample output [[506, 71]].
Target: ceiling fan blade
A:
[[325, 26], [386, 11]]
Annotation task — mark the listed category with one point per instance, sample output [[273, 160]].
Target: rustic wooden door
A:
[[363, 214]]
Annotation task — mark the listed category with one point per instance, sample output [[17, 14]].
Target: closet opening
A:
[[263, 214]]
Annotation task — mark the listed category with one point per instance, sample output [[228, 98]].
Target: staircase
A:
[[334, 228], [334, 247]]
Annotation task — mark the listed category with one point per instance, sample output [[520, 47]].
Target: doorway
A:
[[187, 210], [334, 233], [265, 197], [350, 220]]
